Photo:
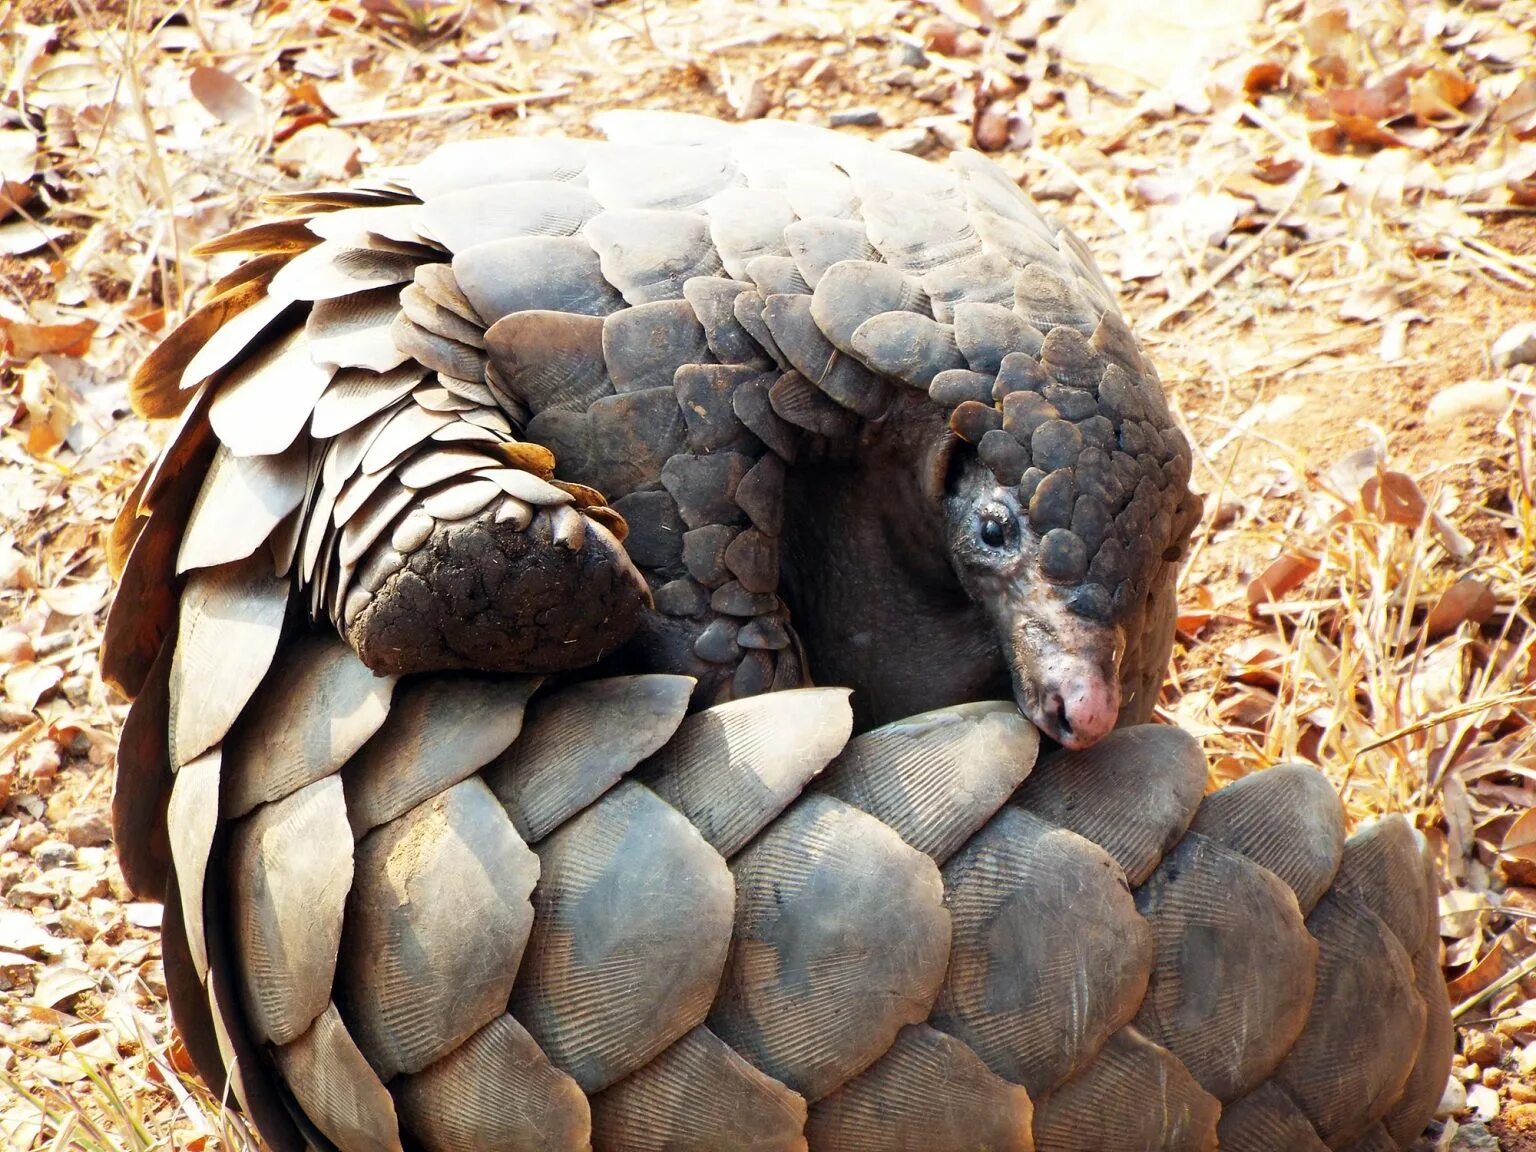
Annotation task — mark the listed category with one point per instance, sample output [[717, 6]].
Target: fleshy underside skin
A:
[[516, 499]]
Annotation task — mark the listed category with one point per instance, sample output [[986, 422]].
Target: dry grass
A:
[[1319, 236]]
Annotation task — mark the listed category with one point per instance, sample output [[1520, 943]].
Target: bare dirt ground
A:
[[1322, 216]]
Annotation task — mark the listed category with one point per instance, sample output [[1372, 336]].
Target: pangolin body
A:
[[516, 497]]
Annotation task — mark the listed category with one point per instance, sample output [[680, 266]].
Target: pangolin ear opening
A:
[[941, 466]]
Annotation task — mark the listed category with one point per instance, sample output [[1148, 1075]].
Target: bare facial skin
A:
[[1065, 669]]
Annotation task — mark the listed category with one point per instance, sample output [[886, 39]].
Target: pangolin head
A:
[[1067, 507]]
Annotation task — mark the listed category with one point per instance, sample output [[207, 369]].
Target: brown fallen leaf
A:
[[1468, 600], [228, 100], [25, 341], [1264, 76], [1284, 574], [1494, 963], [1196, 609], [1437, 96], [1275, 171], [26, 684], [1394, 498]]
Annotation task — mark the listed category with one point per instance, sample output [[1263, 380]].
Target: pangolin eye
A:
[[995, 526]]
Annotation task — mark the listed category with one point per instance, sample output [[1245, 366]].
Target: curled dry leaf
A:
[[1255, 660], [61, 984], [1273, 170], [1468, 600], [1264, 76], [1394, 498], [1494, 963], [75, 599], [26, 684], [1284, 574]]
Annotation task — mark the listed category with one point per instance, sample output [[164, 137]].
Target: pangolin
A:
[[516, 497]]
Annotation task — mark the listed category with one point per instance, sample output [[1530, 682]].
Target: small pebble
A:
[[88, 829], [913, 141], [905, 54], [54, 854], [857, 117], [1474, 1138], [1484, 1048]]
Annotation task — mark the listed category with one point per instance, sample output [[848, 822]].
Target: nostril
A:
[[1063, 719]]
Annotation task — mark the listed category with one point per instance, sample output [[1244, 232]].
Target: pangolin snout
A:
[[1081, 710]]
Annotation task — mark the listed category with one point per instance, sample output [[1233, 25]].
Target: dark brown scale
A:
[[754, 559], [1098, 432], [705, 393], [717, 643], [764, 632], [1024, 412], [705, 486], [754, 408], [1063, 558], [704, 553], [1051, 505], [760, 494], [714, 304], [972, 421], [1000, 451], [1029, 484], [1113, 340], [1070, 359], [655, 537], [749, 314], [683, 597], [643, 346], [956, 386], [1019, 373], [1109, 564], [1074, 404], [841, 377], [801, 403], [754, 675], [1120, 395], [734, 600], [1056, 444], [989, 333], [1091, 520]]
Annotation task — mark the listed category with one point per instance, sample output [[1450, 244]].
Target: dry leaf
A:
[[1468, 600], [320, 152], [1264, 76], [59, 985], [25, 341], [1394, 498], [1437, 96], [1494, 963], [26, 684], [76, 599], [228, 100], [18, 155], [1286, 573], [1473, 397]]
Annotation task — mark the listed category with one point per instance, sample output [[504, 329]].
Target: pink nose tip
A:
[[1085, 708]]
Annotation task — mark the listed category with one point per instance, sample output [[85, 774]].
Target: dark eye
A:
[[996, 526]]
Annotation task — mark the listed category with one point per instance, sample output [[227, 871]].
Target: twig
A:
[[511, 99]]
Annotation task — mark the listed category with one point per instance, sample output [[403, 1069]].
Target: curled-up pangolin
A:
[[516, 500]]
